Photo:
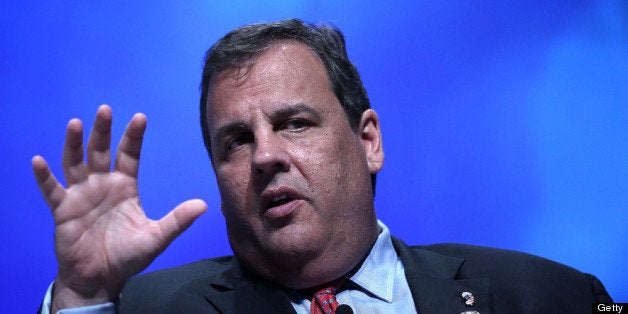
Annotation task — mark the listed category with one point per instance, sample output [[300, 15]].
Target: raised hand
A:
[[102, 236]]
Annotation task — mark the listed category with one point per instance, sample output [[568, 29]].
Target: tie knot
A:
[[324, 299]]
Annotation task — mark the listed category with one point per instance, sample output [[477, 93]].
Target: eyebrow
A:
[[294, 110], [228, 129]]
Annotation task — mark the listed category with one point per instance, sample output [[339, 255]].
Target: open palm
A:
[[102, 236]]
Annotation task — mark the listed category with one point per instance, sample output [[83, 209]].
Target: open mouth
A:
[[280, 200], [279, 204]]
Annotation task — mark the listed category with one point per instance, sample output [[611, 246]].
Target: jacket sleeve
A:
[[599, 292]]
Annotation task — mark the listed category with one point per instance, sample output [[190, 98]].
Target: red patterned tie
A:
[[324, 300]]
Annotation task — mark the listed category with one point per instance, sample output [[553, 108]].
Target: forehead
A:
[[284, 57], [286, 72]]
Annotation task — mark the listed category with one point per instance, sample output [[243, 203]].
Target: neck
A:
[[306, 270]]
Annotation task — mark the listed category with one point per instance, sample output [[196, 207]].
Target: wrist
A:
[[65, 297]]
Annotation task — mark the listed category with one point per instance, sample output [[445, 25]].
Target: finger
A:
[[128, 153], [50, 188], [74, 168], [98, 151], [180, 218]]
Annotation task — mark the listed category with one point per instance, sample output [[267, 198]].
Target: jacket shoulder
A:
[[488, 257], [151, 292], [518, 274]]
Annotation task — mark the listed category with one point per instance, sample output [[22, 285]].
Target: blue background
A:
[[505, 124]]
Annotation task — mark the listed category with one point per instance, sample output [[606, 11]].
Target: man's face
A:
[[293, 176]]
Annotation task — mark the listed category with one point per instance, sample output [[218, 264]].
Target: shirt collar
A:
[[377, 273]]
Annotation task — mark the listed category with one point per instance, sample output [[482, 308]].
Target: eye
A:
[[296, 124], [238, 140]]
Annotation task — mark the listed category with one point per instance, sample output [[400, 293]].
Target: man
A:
[[295, 148]]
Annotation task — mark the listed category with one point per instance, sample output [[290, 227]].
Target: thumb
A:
[[180, 218]]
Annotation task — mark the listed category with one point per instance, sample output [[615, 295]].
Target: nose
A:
[[270, 155]]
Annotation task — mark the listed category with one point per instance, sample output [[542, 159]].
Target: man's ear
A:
[[371, 137]]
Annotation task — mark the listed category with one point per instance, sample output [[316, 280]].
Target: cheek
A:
[[234, 204], [329, 164], [232, 184]]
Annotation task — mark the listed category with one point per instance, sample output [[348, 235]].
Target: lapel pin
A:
[[468, 298]]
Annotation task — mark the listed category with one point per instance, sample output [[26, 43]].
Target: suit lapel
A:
[[434, 284], [237, 291]]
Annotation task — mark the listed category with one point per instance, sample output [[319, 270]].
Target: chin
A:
[[293, 241]]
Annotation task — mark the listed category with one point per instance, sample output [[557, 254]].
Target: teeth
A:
[[276, 199]]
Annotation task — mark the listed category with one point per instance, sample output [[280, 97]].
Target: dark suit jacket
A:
[[502, 282]]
